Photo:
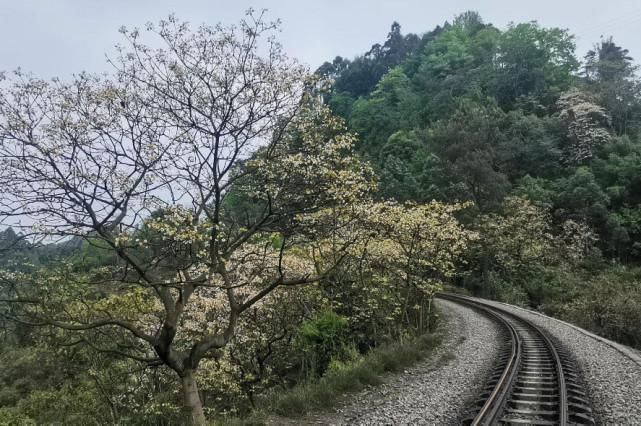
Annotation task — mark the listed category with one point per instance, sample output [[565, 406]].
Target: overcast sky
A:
[[60, 37]]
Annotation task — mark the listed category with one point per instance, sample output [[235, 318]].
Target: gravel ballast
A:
[[435, 391], [613, 379]]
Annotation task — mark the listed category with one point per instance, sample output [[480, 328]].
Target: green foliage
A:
[[604, 299], [530, 145], [93, 254], [478, 113], [469, 114], [19, 253], [534, 65], [610, 74], [609, 304], [77, 405], [358, 77], [11, 416], [582, 195], [496, 287], [467, 143], [323, 340], [539, 191], [349, 377], [515, 243], [549, 161], [390, 106], [406, 168]]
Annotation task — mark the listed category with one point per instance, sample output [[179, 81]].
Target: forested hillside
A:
[[235, 236], [543, 140]]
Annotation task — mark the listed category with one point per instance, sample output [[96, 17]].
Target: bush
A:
[[348, 377], [323, 340], [11, 416], [509, 292], [69, 405], [609, 304]]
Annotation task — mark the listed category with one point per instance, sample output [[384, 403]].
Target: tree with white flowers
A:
[[195, 163]]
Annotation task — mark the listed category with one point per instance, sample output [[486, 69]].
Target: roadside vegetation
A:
[[212, 232], [341, 378]]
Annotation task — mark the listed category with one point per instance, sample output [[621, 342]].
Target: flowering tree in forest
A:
[[403, 256], [196, 163], [587, 124]]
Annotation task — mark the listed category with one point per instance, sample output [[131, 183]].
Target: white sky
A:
[[61, 37]]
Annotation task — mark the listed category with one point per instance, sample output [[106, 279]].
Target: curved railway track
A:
[[534, 381]]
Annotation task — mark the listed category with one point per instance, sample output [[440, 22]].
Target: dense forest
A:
[[545, 144], [216, 233]]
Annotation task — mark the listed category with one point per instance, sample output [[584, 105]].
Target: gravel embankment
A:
[[435, 391], [613, 379]]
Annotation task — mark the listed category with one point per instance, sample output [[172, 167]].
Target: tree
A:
[[455, 65], [359, 77], [519, 236], [391, 106], [611, 75], [406, 167], [583, 197], [419, 246], [470, 21], [534, 62], [531, 145], [515, 242], [587, 124], [607, 62], [467, 142], [408, 251], [216, 110]]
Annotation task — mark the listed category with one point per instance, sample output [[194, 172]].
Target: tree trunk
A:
[[193, 405], [429, 313]]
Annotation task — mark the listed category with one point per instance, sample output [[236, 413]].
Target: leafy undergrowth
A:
[[326, 392]]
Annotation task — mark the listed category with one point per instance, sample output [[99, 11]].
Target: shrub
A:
[[610, 305], [324, 339], [351, 376]]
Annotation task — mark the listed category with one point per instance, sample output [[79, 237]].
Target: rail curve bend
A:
[[534, 381]]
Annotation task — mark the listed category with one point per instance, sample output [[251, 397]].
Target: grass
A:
[[325, 392], [328, 390], [285, 406]]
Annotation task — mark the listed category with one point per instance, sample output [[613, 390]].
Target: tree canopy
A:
[[211, 224]]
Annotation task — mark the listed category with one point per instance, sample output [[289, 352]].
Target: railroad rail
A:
[[533, 383]]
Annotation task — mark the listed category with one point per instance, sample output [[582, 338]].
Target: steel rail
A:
[[492, 409]]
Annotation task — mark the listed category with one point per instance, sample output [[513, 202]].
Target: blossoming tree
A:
[[152, 163]]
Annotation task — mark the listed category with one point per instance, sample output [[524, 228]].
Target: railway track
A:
[[533, 383]]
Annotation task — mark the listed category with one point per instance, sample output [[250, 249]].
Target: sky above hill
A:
[[58, 38]]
